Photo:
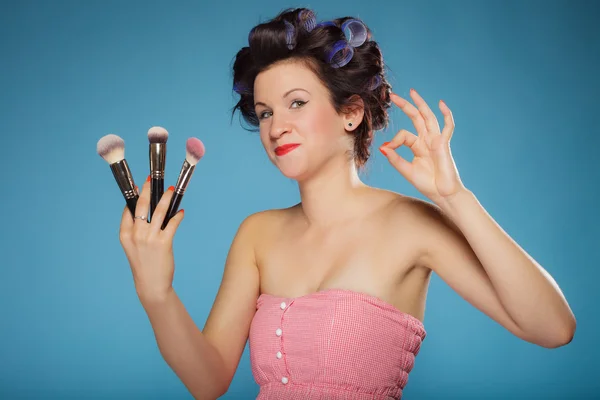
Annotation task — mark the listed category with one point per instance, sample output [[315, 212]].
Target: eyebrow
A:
[[283, 97]]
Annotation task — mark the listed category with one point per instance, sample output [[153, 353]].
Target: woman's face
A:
[[299, 128]]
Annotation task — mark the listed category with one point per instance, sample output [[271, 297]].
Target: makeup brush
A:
[[112, 149], [194, 151], [157, 136]]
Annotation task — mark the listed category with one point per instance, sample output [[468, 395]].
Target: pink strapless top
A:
[[332, 344]]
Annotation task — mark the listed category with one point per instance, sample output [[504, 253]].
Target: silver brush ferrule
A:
[[122, 174], [184, 177], [158, 157]]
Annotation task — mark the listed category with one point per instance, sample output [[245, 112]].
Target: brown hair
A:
[[292, 36]]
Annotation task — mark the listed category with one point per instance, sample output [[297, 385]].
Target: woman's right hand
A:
[[149, 249]]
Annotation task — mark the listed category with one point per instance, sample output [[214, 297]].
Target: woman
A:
[[331, 291]]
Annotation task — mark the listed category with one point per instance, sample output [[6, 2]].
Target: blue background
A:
[[520, 77]]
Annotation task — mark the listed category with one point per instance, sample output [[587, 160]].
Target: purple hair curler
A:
[[325, 23], [290, 32], [355, 32], [240, 88], [308, 19], [374, 82], [340, 54]]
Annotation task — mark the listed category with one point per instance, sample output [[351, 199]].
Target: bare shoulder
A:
[[411, 209], [265, 218], [258, 224], [228, 324], [262, 224], [441, 243], [426, 222]]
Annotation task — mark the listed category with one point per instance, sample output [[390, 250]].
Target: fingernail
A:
[[148, 178], [386, 143], [382, 151], [171, 188], [181, 211]]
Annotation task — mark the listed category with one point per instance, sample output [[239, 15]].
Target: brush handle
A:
[[131, 203], [173, 207], [158, 188], [122, 174]]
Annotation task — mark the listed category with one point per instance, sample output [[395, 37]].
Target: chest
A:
[[364, 256]]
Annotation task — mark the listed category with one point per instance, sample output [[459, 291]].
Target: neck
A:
[[329, 197]]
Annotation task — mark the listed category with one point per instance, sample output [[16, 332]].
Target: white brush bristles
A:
[[158, 134], [112, 148]]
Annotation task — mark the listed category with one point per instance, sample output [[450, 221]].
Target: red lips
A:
[[286, 148]]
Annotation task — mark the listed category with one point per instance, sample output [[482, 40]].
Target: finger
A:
[[161, 209], [173, 224], [412, 112], [409, 139], [431, 122], [143, 203], [397, 161], [448, 121], [402, 138], [126, 225], [137, 190]]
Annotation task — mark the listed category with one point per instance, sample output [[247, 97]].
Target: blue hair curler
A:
[[374, 82], [308, 19], [340, 54], [290, 33], [325, 23], [355, 32], [240, 88]]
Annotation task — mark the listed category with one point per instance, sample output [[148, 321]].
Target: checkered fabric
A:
[[332, 344]]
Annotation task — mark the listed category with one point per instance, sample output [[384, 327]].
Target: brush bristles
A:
[[112, 148], [194, 150], [158, 134]]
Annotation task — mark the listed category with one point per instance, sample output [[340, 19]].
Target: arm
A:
[[472, 253], [206, 361], [465, 246], [185, 349]]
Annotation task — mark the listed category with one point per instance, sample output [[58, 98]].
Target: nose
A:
[[279, 127]]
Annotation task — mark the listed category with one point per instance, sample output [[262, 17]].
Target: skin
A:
[[343, 234]]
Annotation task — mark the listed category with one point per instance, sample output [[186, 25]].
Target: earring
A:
[[349, 123]]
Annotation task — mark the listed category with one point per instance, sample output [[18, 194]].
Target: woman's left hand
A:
[[432, 170]]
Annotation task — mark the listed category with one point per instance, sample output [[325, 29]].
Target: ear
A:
[[353, 113]]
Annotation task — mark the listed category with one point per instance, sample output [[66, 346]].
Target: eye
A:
[[299, 103], [264, 114]]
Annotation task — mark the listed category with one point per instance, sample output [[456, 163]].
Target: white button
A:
[[284, 380], [283, 305], [278, 332], [278, 354]]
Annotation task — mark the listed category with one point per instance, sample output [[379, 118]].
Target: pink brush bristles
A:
[[194, 150]]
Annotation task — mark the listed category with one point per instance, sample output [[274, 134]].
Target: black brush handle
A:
[[157, 190], [122, 174], [173, 207], [131, 203]]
